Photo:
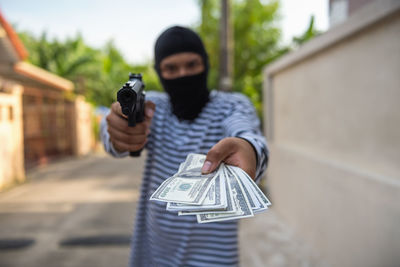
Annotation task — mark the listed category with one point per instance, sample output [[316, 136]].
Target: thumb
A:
[[149, 108], [116, 108], [215, 156]]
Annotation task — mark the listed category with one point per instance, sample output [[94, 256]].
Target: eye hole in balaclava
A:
[[188, 94]]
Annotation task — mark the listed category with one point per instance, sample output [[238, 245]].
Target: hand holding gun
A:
[[131, 97]]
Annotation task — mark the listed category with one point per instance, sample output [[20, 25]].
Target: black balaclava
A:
[[188, 94]]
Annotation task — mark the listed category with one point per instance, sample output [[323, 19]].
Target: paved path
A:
[[92, 201]]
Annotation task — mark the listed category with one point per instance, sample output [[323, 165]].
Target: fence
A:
[[55, 127], [48, 127], [36, 128]]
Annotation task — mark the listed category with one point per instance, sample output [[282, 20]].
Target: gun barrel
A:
[[127, 99], [136, 85]]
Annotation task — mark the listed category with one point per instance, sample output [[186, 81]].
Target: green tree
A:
[[67, 59], [96, 73], [114, 73], [310, 33], [256, 37], [208, 30]]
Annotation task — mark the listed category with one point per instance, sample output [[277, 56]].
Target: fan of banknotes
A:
[[225, 194]]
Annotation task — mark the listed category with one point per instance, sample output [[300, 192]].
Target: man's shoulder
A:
[[230, 98], [157, 97]]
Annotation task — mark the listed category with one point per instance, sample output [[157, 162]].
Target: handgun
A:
[[131, 97]]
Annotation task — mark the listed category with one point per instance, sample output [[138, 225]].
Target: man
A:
[[186, 119]]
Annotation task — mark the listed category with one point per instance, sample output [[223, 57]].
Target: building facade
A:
[[41, 118]]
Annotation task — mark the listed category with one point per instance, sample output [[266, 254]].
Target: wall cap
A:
[[363, 18]]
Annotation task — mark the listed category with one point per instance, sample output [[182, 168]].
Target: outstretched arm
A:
[[245, 145]]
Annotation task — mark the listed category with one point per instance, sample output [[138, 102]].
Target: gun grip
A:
[[135, 153]]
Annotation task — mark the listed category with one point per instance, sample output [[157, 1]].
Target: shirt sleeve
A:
[[243, 122], [105, 138]]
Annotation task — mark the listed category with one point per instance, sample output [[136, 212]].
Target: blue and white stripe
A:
[[161, 238]]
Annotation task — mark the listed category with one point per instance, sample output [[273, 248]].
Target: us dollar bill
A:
[[194, 163], [226, 194], [240, 203], [215, 198], [254, 203], [186, 187], [230, 207], [260, 201]]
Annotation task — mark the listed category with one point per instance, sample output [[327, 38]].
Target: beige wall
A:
[[333, 122], [11, 137], [83, 140], [11, 133]]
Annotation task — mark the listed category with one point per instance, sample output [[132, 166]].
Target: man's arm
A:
[[246, 147]]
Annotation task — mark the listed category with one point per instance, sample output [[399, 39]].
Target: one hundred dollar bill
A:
[[214, 200], [230, 207], [240, 203], [226, 194], [186, 187], [194, 163], [260, 201], [254, 203]]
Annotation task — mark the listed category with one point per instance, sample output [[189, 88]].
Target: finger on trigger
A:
[[116, 108], [150, 108]]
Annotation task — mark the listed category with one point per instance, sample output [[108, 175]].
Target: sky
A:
[[134, 25]]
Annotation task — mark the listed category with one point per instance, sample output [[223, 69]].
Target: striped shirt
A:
[[162, 238]]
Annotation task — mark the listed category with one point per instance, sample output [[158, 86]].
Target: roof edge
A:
[[43, 76], [13, 36]]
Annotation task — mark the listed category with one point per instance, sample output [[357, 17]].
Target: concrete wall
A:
[[11, 137], [333, 122], [83, 139]]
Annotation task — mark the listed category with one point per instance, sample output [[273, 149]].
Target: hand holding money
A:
[[227, 193], [233, 151]]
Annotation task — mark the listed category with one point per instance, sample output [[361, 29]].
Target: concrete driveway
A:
[[79, 212]]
